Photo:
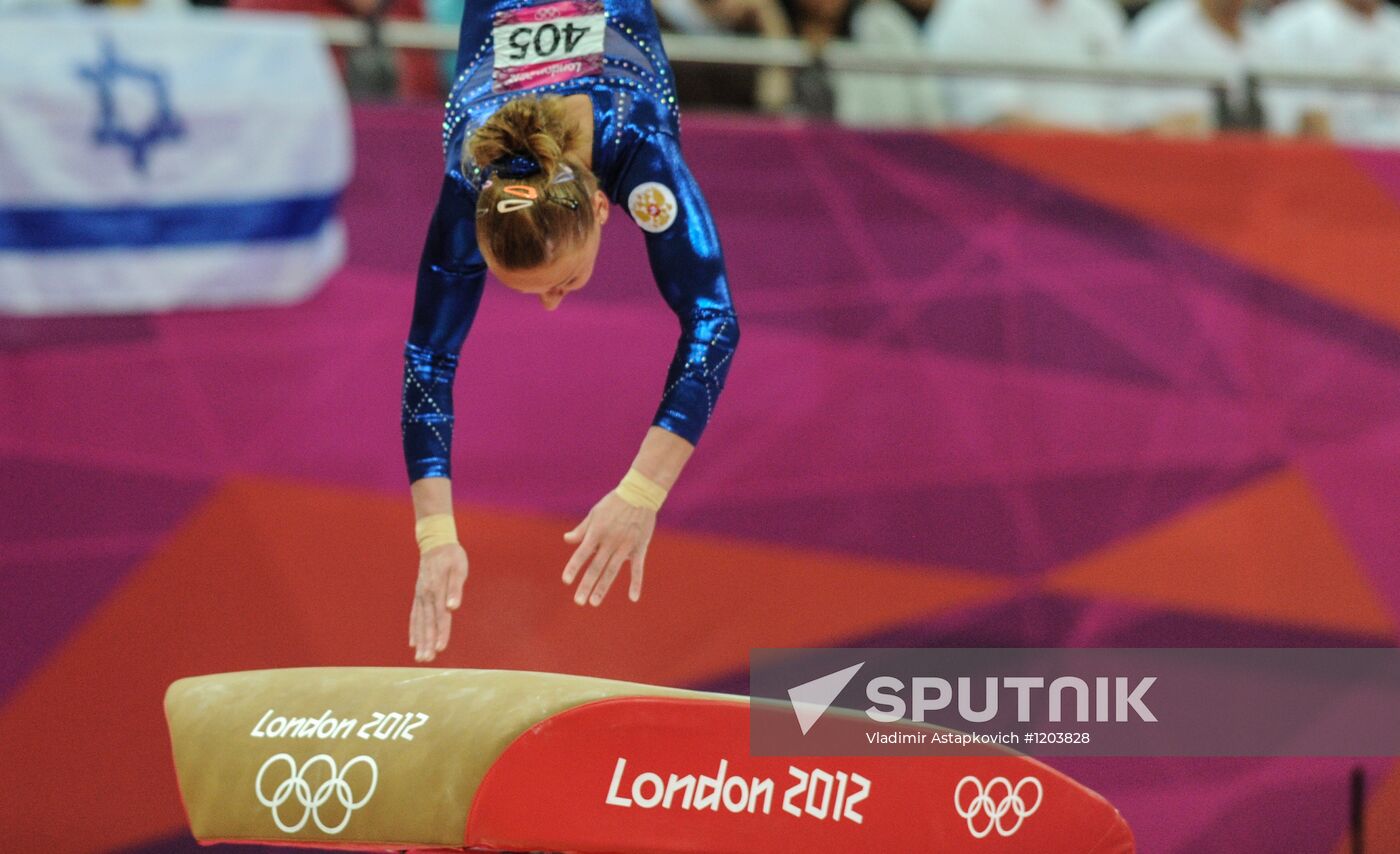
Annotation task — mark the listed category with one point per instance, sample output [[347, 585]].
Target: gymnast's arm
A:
[[450, 280], [688, 266]]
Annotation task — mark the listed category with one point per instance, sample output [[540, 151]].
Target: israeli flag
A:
[[150, 161]]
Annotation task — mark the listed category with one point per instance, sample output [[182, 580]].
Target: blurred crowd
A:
[[1232, 40], [1227, 39]]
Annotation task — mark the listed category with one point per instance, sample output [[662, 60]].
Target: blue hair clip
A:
[[516, 166]]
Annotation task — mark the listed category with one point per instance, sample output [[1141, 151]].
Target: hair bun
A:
[[529, 129]]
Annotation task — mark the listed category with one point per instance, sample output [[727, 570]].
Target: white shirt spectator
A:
[[1180, 34], [1038, 31], [1330, 35], [884, 100]]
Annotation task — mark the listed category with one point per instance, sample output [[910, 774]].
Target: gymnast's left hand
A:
[[613, 533]]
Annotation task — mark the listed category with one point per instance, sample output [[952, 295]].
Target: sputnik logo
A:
[[810, 700]]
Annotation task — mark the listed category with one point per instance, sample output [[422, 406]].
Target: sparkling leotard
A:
[[637, 159]]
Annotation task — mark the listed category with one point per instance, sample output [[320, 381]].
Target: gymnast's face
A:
[[569, 269]]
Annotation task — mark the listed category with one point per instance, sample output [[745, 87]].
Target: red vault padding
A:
[[635, 774]]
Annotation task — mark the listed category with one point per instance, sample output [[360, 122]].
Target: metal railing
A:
[[848, 56]]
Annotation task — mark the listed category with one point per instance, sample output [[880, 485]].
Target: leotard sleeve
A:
[[663, 198], [450, 279]]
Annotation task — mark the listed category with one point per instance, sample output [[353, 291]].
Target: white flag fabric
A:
[[151, 161]]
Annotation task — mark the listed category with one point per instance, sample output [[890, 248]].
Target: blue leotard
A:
[[637, 158]]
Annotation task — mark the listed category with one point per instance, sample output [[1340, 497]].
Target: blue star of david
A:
[[164, 126]]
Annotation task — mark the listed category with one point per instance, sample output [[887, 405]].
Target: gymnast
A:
[[557, 110]]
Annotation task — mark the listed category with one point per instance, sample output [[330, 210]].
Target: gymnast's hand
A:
[[614, 532], [441, 573]]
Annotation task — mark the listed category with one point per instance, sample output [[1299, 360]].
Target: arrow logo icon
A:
[[810, 700]]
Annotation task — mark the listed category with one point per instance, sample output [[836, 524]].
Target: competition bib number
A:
[[538, 45]]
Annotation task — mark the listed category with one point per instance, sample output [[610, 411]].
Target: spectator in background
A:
[[12, 6], [445, 12], [148, 5], [703, 17], [889, 28], [1355, 36], [1221, 36], [410, 74], [7, 6], [770, 89], [818, 22], [1037, 31]]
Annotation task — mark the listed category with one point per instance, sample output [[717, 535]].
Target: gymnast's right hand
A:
[[442, 570]]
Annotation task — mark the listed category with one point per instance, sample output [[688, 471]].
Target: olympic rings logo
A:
[[295, 785], [984, 802]]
